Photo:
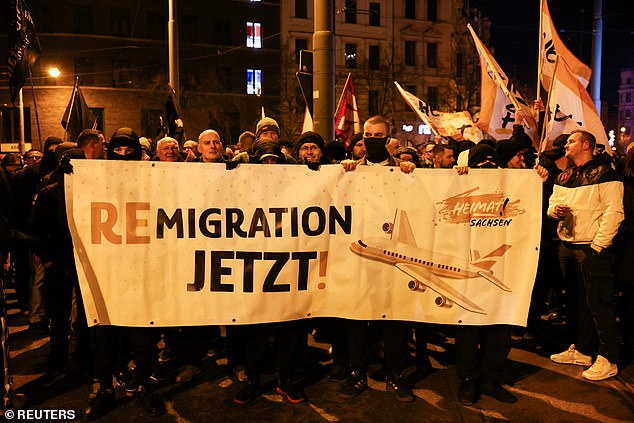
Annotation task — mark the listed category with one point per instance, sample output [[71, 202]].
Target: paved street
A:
[[547, 393]]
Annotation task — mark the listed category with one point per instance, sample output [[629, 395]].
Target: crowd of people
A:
[[586, 243]]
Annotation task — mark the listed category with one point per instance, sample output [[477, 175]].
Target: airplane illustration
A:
[[425, 267]]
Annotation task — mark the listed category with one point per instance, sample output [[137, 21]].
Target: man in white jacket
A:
[[588, 202]]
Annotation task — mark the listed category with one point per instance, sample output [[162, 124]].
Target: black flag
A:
[[77, 116], [171, 113], [24, 46]]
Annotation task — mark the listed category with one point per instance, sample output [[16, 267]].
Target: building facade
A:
[[422, 44], [626, 108], [229, 65], [237, 57]]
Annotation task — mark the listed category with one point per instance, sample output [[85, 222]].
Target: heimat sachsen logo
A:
[[481, 210]]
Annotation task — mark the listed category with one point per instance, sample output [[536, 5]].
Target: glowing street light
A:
[[54, 72]]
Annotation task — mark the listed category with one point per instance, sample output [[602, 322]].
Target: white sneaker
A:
[[572, 356], [601, 369]]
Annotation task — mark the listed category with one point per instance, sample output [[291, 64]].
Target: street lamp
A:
[[54, 72]]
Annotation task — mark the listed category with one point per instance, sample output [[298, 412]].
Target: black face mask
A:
[[375, 149]]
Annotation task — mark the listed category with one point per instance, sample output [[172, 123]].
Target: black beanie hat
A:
[[506, 149], [481, 153], [310, 136], [124, 137]]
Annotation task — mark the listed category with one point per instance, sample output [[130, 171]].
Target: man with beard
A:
[[356, 149], [310, 148], [442, 156]]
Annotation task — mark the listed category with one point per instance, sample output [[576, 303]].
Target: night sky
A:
[[514, 38]]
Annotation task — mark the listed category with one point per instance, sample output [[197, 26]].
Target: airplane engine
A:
[[443, 301], [388, 227], [416, 286]]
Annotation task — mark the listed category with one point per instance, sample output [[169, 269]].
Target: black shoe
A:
[[51, 377], [499, 393], [356, 383], [161, 373], [152, 405], [467, 393], [126, 379], [250, 391], [101, 404], [293, 392], [401, 392], [338, 373]]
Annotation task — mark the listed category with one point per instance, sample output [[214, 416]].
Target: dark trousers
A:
[[481, 352], [548, 278], [61, 280], [394, 336], [290, 344], [107, 341], [189, 344], [591, 275]]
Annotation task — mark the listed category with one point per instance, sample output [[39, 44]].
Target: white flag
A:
[[308, 121], [570, 107], [500, 99], [458, 125], [550, 45]]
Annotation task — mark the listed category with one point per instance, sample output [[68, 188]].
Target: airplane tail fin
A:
[[490, 259], [401, 229]]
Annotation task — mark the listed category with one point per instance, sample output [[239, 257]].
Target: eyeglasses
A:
[[305, 148]]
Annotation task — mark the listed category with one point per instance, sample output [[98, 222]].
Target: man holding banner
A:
[[376, 135]]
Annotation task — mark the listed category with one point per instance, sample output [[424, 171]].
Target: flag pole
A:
[[37, 116], [539, 57], [21, 145], [343, 92], [542, 140]]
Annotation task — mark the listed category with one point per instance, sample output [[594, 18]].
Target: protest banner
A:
[[175, 244]]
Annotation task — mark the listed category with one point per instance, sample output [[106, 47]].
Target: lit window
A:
[[351, 55], [254, 35], [254, 81]]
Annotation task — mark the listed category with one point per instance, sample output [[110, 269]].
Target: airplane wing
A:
[[495, 281], [438, 285], [402, 231]]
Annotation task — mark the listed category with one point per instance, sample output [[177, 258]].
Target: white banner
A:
[[162, 244]]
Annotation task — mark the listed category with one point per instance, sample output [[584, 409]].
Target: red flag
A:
[[347, 122]]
